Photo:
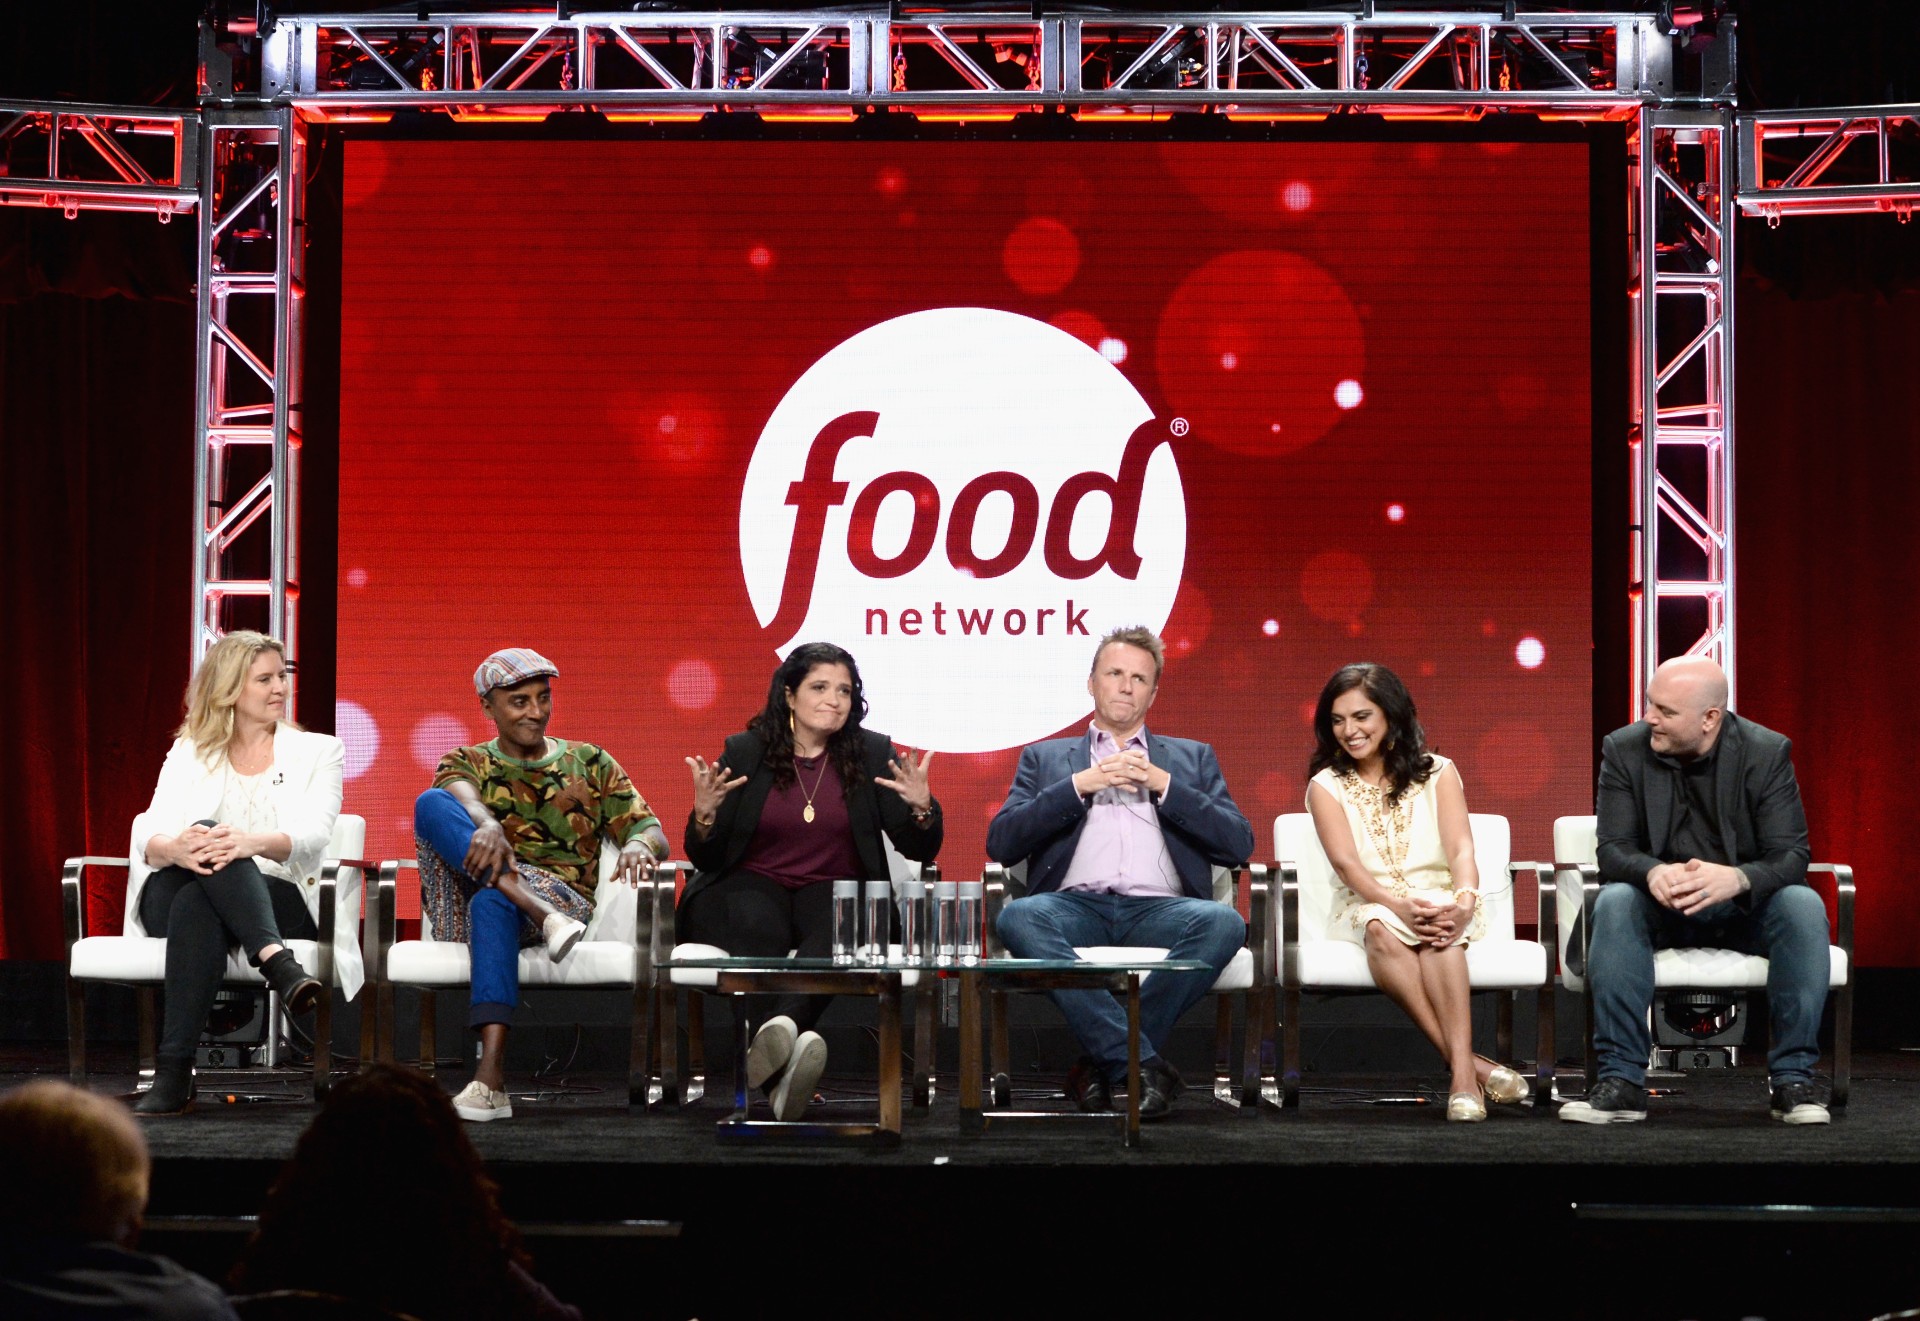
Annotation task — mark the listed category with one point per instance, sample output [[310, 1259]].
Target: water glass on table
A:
[[879, 921], [846, 922], [968, 912]]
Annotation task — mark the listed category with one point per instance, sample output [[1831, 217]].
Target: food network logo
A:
[[965, 499]]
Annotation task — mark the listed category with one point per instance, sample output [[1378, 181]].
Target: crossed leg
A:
[[1431, 986]]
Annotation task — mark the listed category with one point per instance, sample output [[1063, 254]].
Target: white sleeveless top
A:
[[1401, 848]]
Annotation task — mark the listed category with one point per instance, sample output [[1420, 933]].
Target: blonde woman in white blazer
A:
[[244, 808]]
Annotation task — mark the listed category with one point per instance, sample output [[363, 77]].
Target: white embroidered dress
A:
[[1401, 848]]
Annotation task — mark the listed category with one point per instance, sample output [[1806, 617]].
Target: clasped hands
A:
[[1693, 886], [1439, 925], [1126, 769], [205, 849]]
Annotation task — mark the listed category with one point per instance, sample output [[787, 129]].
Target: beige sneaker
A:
[[561, 933], [480, 1103], [794, 1091]]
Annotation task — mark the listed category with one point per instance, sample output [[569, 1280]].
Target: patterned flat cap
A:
[[509, 666]]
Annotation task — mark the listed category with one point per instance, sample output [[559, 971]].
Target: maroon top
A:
[[797, 852]]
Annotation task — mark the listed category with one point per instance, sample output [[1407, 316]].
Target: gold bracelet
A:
[[1465, 889], [706, 823]]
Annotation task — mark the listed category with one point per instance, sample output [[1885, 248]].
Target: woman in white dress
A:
[[242, 815], [1392, 818]]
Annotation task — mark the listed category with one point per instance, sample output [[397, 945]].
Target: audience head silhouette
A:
[[76, 1165]]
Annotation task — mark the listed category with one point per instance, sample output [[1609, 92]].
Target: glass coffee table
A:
[[998, 976], [886, 983]]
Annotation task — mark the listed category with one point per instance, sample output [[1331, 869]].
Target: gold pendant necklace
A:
[[806, 813]]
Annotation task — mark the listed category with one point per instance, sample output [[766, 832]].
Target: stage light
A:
[[749, 61], [1177, 64], [1699, 1029]]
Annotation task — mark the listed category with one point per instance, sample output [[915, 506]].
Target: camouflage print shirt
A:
[[554, 810]]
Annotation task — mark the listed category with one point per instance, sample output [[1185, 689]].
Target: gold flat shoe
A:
[[1465, 1108], [1505, 1086]]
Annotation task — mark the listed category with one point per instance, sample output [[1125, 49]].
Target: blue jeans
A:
[[494, 940], [1789, 929], [1051, 925]]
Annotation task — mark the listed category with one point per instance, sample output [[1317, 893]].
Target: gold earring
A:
[[791, 729]]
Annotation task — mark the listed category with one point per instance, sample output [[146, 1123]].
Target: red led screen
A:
[[662, 409]]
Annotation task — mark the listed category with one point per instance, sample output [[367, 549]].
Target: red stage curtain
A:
[[1826, 471], [96, 410]]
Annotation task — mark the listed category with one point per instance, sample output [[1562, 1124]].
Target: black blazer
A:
[[1763, 827], [871, 807]]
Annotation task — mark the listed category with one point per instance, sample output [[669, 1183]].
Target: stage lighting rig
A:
[[749, 61]]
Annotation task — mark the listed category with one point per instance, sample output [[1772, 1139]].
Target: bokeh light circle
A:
[[1041, 256], [693, 685], [1529, 653], [1337, 586], [355, 727], [434, 737], [1291, 336]]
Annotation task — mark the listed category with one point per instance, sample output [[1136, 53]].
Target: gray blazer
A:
[[1763, 827]]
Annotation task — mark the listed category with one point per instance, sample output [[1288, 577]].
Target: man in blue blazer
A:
[[1121, 830], [1702, 842]]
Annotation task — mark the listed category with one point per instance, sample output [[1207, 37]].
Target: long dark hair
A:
[[1405, 748], [385, 1199], [774, 723]]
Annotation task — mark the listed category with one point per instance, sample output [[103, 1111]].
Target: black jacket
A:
[[872, 809], [1763, 827]]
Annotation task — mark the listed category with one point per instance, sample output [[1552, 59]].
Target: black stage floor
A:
[[1346, 1206]]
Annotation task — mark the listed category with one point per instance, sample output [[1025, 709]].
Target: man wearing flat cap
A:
[[509, 845]]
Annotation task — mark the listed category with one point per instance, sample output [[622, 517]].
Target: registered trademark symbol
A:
[[1178, 426]]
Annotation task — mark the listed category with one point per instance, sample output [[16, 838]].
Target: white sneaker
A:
[[562, 933], [480, 1103], [795, 1088], [771, 1049]]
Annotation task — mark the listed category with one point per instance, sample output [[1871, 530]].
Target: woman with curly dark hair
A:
[[1392, 818], [801, 798], [385, 1201]]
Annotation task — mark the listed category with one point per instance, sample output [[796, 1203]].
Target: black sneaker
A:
[[1611, 1101], [1801, 1103]]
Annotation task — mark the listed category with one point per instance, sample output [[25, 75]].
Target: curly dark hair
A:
[[385, 1200], [774, 722], [1405, 748]]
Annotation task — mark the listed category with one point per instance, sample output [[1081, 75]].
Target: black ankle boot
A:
[[172, 1090], [284, 974]]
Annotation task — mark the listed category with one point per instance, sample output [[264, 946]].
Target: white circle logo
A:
[[965, 499]]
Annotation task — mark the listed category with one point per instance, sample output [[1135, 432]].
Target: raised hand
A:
[[711, 786], [909, 779]]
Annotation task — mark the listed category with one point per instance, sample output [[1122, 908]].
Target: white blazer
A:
[[305, 790]]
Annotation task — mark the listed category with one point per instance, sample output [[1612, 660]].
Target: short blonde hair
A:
[[215, 687], [76, 1164], [1136, 635]]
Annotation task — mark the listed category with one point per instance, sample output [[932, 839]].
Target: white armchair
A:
[[1312, 958], [616, 953], [1249, 976], [1577, 884], [140, 961]]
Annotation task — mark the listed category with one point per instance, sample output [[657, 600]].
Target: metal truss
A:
[[628, 64], [1682, 405], [246, 424], [240, 168], [1830, 162], [98, 158]]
